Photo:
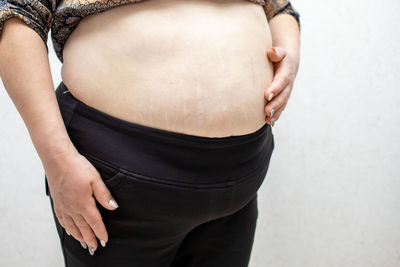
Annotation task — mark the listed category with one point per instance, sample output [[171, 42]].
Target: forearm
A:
[[25, 72], [286, 34]]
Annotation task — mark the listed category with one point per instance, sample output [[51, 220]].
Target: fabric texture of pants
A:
[[184, 200]]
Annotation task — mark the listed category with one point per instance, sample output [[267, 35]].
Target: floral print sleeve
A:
[[275, 7], [37, 14]]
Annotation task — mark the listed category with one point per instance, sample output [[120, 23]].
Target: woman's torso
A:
[[197, 67]]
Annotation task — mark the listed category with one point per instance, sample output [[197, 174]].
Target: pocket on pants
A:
[[111, 175]]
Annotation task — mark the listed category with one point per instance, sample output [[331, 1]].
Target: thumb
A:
[[276, 54], [103, 195]]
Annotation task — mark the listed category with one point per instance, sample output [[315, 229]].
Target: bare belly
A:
[[197, 67]]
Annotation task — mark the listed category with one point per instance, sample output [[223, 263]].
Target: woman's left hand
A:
[[278, 93]]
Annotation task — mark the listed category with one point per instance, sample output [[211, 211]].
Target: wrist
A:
[[56, 151]]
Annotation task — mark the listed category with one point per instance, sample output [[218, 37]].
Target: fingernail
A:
[[113, 203], [103, 243], [271, 95], [91, 251], [272, 112], [272, 121], [83, 244], [273, 48], [67, 232]]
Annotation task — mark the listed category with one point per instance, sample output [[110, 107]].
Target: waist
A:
[[173, 156], [196, 67]]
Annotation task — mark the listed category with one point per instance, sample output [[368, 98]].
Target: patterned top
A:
[[62, 16]]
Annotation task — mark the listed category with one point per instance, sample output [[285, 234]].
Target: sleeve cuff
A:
[[288, 9], [8, 11]]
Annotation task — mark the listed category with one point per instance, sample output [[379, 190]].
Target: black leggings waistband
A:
[[173, 156]]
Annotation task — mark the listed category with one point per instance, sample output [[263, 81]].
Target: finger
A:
[[71, 228], [103, 195], [276, 54], [269, 121], [279, 83], [95, 221], [273, 107], [87, 233], [279, 112], [272, 120], [59, 216]]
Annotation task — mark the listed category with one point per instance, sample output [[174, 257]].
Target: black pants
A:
[[184, 200]]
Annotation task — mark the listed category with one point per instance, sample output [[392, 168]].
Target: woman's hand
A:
[[278, 92], [72, 182]]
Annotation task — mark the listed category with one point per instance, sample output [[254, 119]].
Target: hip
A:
[[130, 155]]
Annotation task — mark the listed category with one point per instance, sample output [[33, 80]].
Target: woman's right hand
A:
[[73, 181], [71, 177]]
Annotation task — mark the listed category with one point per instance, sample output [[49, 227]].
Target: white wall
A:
[[332, 193]]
